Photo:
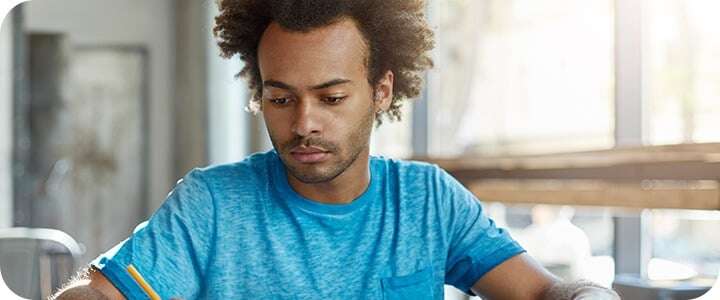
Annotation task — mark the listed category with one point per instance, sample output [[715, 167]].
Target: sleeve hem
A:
[[486, 264], [121, 279]]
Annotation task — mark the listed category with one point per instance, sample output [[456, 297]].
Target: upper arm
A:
[[519, 277], [475, 243], [168, 255]]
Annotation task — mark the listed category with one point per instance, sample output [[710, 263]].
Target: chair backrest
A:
[[36, 261], [6, 292]]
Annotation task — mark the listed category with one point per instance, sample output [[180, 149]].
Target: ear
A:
[[255, 105], [383, 93]]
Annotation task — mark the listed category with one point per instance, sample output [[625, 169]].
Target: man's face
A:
[[317, 103]]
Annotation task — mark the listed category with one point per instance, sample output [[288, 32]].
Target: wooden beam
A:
[[635, 171], [678, 162], [649, 194], [675, 176]]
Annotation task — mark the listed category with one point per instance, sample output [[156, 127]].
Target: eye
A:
[[280, 101], [334, 99]]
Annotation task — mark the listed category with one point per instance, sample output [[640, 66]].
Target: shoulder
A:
[[417, 177], [249, 172], [225, 182], [413, 171], [403, 167]]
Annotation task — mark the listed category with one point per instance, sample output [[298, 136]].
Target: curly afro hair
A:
[[396, 32]]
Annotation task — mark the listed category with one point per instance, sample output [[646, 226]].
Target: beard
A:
[[341, 156]]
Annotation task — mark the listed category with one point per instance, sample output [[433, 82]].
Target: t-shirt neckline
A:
[[287, 192]]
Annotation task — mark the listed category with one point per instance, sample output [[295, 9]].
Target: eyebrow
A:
[[277, 84], [285, 86], [330, 83]]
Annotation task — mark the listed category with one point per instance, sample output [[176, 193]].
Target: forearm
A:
[[80, 292], [579, 290]]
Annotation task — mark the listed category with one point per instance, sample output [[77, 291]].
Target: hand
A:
[[595, 293]]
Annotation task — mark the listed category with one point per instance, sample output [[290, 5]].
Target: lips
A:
[[309, 155]]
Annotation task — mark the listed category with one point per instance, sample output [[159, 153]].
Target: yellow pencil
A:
[[143, 284]]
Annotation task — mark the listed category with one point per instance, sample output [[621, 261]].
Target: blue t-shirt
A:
[[240, 231]]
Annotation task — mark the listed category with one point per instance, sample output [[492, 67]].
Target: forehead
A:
[[334, 51]]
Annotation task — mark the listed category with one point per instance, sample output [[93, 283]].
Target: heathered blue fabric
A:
[[239, 231]]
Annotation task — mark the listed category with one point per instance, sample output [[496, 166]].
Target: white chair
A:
[[37, 261], [6, 292]]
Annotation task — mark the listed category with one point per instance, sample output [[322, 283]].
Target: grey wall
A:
[[128, 22], [210, 102], [190, 109], [5, 122]]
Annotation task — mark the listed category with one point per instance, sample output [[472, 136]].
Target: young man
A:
[[317, 217]]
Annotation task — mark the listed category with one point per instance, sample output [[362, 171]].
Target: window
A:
[[684, 244], [681, 95], [584, 233], [681, 56], [521, 77]]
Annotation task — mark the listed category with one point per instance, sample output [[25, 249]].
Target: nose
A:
[[307, 121]]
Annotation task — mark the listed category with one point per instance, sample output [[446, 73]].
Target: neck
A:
[[343, 189]]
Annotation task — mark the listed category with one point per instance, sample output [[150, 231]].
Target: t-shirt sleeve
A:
[[166, 256], [476, 245]]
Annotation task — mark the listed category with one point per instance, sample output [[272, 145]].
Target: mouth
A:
[[309, 155]]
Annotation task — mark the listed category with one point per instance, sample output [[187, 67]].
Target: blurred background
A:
[[590, 129]]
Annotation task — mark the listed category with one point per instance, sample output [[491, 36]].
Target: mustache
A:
[[309, 142]]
